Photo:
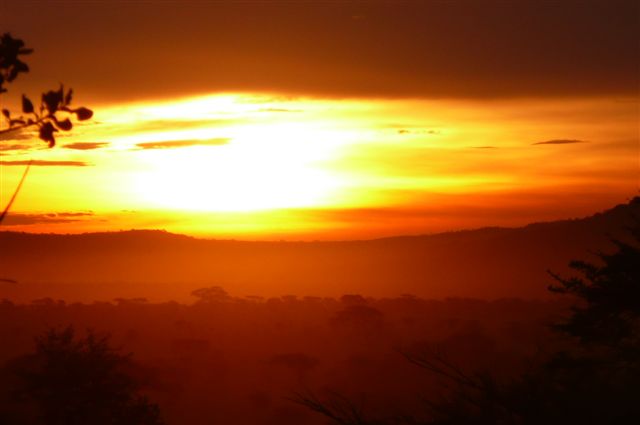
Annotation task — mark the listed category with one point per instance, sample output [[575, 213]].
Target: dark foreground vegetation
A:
[[592, 378], [353, 360], [74, 381], [226, 360]]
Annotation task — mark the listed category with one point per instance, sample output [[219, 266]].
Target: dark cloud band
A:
[[452, 49], [19, 219], [559, 142]]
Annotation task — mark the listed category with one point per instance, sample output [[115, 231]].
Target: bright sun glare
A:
[[261, 165], [194, 163]]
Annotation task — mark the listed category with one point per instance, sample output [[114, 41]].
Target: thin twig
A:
[[15, 193], [22, 126]]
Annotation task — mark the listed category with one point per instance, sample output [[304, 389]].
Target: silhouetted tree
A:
[[595, 380], [211, 294], [76, 381], [11, 65], [609, 310]]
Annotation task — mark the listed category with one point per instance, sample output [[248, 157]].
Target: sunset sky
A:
[[326, 120]]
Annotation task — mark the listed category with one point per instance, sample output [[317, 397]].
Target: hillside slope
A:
[[484, 263]]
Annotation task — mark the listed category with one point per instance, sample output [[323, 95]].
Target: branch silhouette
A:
[[15, 193], [53, 114]]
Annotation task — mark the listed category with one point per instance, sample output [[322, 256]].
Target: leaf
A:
[[21, 66], [27, 106], [83, 113], [12, 74], [51, 100], [68, 97], [46, 134], [61, 93], [65, 125]]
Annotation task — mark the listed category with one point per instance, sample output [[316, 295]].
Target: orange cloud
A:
[[559, 142], [85, 146], [171, 144], [18, 219]]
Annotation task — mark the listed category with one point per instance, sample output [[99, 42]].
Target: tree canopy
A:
[[70, 380], [594, 379]]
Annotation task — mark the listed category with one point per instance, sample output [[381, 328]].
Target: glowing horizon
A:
[[264, 165]]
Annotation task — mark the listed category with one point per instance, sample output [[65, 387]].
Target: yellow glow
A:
[[256, 165], [262, 167]]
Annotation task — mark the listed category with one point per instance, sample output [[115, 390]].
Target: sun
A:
[[261, 167]]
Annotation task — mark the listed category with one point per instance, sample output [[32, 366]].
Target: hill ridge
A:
[[634, 203], [482, 263]]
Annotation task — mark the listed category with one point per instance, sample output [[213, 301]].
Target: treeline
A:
[[592, 378], [233, 360]]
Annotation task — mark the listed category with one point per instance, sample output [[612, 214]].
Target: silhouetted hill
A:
[[484, 263]]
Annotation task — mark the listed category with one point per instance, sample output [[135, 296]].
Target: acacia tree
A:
[[51, 116], [76, 381]]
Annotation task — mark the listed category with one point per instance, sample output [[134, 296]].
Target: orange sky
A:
[[286, 129]]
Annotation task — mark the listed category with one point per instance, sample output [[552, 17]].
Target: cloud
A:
[[559, 142], [15, 147], [17, 219], [484, 147], [576, 47], [16, 135], [74, 214], [86, 146], [172, 144], [410, 129], [45, 163], [7, 280], [280, 110], [179, 124]]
